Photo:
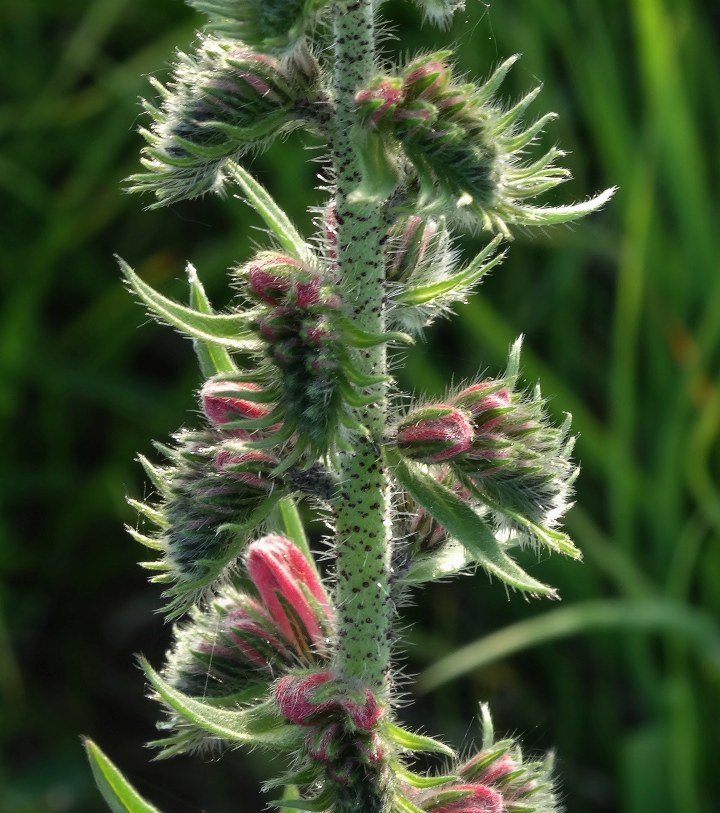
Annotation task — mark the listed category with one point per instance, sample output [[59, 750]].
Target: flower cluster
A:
[[465, 148], [214, 488], [222, 101], [500, 445], [271, 25], [243, 639], [306, 368]]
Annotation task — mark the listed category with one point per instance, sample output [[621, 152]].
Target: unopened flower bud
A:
[[248, 466], [434, 433], [476, 799], [223, 402], [379, 101], [291, 591], [271, 276], [295, 697], [425, 77]]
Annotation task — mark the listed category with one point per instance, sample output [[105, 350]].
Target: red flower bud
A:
[[286, 580], [271, 276], [249, 628], [435, 433], [222, 402], [294, 697], [251, 467]]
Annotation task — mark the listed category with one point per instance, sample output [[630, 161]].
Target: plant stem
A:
[[363, 540]]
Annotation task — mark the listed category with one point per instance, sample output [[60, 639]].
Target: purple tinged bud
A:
[[380, 100], [250, 621], [285, 579], [251, 467], [294, 697], [435, 433], [425, 77], [272, 276]]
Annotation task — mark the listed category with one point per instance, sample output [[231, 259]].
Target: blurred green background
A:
[[622, 318]]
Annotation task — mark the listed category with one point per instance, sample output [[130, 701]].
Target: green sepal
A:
[[463, 524], [410, 741], [356, 337], [230, 330], [443, 797], [257, 726], [149, 512], [403, 805], [156, 476], [212, 357], [119, 794], [470, 275], [379, 174], [421, 781], [275, 218]]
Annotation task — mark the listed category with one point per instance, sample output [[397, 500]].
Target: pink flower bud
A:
[[271, 276], [324, 742], [251, 467], [294, 697], [480, 799], [425, 77], [364, 711], [487, 402], [222, 402], [249, 628], [285, 579], [380, 100], [435, 433]]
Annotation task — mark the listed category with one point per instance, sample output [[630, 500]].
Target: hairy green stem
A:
[[363, 535]]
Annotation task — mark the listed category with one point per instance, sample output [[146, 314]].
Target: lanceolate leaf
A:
[[275, 219], [229, 330], [120, 795], [464, 524], [214, 359], [259, 725]]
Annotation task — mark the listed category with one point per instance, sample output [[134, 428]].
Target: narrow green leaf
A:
[[357, 337], [120, 795], [404, 805], [214, 359], [293, 526], [230, 330], [469, 276], [410, 741], [463, 524], [422, 781], [275, 218], [258, 726]]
